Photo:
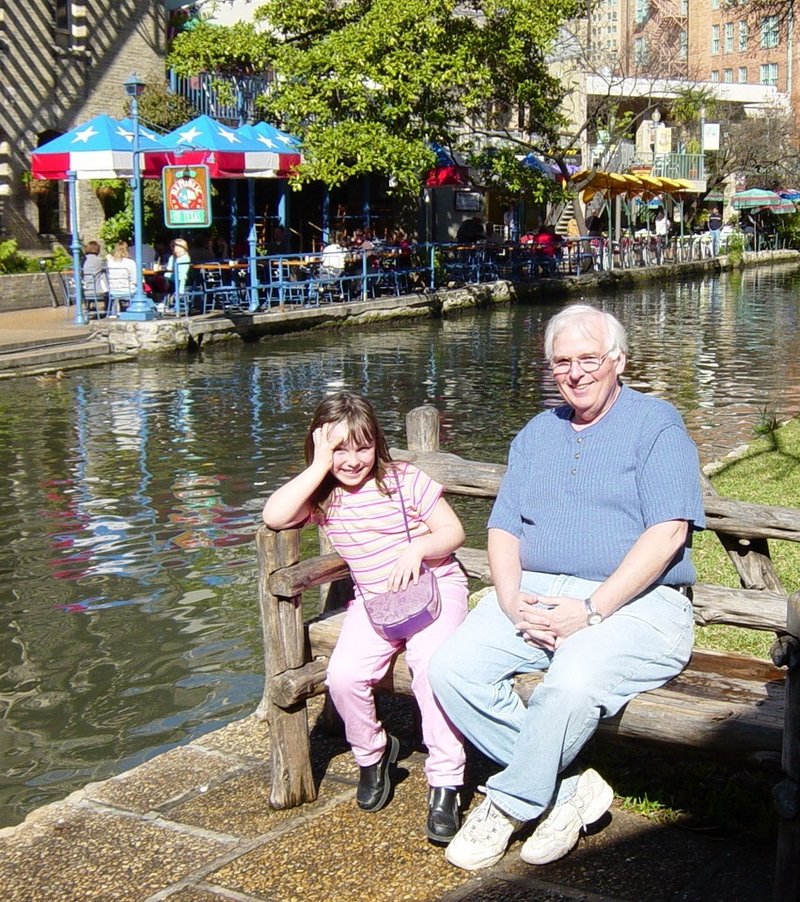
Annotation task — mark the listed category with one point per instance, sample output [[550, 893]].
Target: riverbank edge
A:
[[158, 336]]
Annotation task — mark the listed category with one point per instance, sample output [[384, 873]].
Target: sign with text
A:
[[711, 136], [187, 197]]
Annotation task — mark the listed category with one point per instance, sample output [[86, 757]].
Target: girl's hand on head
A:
[[326, 440]]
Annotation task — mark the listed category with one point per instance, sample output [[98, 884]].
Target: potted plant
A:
[[36, 187], [108, 189]]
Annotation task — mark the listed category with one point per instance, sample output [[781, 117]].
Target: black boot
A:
[[444, 817], [374, 783]]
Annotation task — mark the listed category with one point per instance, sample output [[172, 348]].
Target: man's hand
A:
[[547, 620]]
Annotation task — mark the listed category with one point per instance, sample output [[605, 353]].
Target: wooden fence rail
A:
[[723, 703]]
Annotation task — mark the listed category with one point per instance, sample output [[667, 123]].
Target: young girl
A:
[[350, 487]]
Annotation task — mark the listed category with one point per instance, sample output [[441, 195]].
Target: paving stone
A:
[[163, 779], [81, 853]]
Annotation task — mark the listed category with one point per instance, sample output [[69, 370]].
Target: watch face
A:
[[594, 619]]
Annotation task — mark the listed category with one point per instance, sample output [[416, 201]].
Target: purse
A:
[[399, 614]]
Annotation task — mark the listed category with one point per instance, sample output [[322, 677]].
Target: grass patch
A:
[[768, 472]]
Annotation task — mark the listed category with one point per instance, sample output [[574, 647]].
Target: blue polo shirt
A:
[[578, 501]]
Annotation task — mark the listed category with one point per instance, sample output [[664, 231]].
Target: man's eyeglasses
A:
[[589, 364]]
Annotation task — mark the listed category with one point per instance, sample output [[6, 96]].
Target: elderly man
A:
[[589, 544]]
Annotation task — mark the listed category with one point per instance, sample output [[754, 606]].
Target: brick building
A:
[[63, 62]]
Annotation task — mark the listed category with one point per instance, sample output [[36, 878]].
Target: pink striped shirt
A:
[[367, 528]]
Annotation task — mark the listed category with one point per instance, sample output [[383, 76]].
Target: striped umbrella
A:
[[755, 199]]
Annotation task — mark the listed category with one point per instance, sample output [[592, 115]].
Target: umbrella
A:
[[783, 208], [282, 148], [204, 141], [790, 194], [755, 199], [101, 148]]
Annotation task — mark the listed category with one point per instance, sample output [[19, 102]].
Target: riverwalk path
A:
[[194, 825]]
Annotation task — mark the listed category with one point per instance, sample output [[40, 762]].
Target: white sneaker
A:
[[483, 839], [559, 829]]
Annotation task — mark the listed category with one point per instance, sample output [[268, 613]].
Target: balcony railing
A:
[[229, 99]]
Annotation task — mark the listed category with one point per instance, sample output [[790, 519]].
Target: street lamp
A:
[[141, 308]]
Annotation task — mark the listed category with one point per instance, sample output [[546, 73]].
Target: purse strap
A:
[[402, 506]]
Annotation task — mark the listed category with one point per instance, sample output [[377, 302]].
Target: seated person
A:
[[334, 256], [121, 271], [95, 282], [471, 231], [220, 252], [178, 265]]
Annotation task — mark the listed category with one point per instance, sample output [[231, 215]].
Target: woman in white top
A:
[[121, 271]]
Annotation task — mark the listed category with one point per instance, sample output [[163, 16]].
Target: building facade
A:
[[63, 62]]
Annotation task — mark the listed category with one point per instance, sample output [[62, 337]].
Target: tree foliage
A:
[[368, 84], [239, 49]]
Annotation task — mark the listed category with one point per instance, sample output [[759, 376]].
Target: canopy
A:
[[101, 148], [450, 169], [613, 184], [784, 208], [281, 148], [204, 141], [790, 194], [755, 199]]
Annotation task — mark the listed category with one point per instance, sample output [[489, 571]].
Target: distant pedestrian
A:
[[714, 227]]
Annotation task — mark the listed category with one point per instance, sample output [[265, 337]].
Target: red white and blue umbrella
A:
[[101, 148], [204, 141], [281, 148]]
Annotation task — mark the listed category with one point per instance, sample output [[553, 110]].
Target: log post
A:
[[284, 649], [750, 557], [422, 428], [787, 793]]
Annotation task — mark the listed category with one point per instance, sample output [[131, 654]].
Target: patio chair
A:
[[218, 293]]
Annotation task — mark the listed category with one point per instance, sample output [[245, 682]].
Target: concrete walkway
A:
[[194, 825]]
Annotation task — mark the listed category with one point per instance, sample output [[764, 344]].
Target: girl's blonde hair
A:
[[361, 422], [121, 250]]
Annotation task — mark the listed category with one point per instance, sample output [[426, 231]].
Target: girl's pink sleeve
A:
[[422, 491]]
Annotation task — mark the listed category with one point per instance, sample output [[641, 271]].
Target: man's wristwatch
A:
[[593, 617]]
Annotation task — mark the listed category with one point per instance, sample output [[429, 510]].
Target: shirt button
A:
[[574, 471], [578, 456]]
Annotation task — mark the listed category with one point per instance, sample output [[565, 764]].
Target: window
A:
[[715, 75], [769, 74], [640, 51], [684, 7], [743, 35], [715, 38], [729, 37], [683, 45], [769, 31], [742, 75], [61, 14], [727, 76], [642, 10]]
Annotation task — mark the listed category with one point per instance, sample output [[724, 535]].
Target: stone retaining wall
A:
[[22, 291]]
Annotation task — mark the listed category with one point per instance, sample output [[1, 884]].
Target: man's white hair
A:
[[581, 317]]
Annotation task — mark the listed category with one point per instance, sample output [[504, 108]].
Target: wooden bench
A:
[[723, 703]]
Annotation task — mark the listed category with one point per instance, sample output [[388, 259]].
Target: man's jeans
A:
[[592, 675], [715, 236]]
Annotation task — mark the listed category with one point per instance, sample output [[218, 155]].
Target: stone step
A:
[[58, 354]]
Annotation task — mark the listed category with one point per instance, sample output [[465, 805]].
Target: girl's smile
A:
[[353, 461]]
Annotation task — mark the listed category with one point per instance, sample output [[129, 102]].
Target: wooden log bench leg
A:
[[284, 649], [786, 652]]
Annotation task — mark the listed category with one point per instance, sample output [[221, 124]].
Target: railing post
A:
[[787, 793], [284, 647], [422, 428]]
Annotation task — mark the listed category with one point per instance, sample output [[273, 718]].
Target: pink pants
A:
[[362, 657]]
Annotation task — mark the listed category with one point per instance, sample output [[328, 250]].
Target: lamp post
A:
[[141, 308]]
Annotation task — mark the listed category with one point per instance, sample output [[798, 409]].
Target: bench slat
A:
[[723, 703]]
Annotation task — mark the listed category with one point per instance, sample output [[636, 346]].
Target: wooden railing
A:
[[723, 703]]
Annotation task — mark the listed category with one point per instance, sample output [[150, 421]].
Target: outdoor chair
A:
[[218, 294], [93, 295]]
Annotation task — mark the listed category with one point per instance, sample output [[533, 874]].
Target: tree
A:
[[369, 84]]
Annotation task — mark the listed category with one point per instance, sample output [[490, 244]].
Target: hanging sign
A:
[[711, 136], [187, 197]]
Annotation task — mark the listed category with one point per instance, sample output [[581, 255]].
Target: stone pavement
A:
[[194, 825], [39, 325]]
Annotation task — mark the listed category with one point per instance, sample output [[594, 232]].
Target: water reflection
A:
[[128, 618]]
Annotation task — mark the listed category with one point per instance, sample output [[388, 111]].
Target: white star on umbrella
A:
[[84, 136], [189, 136], [267, 142], [124, 133], [229, 136]]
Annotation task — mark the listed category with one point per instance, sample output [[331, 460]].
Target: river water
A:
[[131, 493]]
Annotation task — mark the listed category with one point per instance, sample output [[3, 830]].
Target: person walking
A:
[[589, 549], [386, 520]]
